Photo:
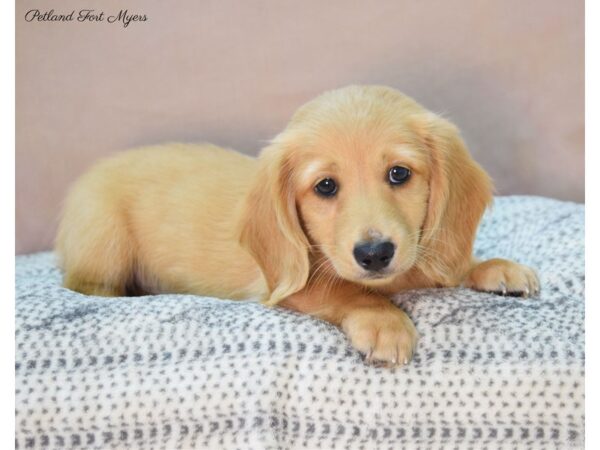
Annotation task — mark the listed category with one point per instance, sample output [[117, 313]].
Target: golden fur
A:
[[204, 220]]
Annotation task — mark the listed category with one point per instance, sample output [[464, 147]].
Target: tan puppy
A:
[[363, 195]]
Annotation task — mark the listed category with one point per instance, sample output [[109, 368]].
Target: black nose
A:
[[374, 256]]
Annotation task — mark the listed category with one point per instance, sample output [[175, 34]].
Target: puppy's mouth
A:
[[385, 275], [376, 278], [356, 272], [376, 275]]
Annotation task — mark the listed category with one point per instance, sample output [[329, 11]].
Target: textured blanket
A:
[[181, 371]]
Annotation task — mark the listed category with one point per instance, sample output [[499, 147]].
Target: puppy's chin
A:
[[376, 280], [351, 272], [372, 279]]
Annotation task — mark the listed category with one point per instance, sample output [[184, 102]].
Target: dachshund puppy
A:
[[365, 194]]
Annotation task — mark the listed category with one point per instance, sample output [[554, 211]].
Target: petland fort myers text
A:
[[123, 17]]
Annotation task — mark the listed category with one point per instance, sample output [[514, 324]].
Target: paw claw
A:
[[503, 287], [503, 277], [385, 337]]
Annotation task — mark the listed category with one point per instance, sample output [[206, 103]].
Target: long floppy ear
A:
[[459, 192], [270, 226]]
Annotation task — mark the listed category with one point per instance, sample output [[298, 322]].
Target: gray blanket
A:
[[181, 371]]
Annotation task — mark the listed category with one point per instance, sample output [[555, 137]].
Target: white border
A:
[[7, 223], [592, 221]]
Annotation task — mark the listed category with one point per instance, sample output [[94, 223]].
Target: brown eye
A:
[[398, 175], [326, 187]]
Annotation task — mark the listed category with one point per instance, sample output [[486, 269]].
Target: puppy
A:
[[365, 194]]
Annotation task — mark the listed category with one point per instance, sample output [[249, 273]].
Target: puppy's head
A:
[[367, 185]]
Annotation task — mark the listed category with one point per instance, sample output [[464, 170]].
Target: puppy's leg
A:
[[376, 327], [84, 284], [502, 277], [99, 266], [94, 250]]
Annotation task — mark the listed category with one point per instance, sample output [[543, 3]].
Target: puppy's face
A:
[[362, 198], [370, 184]]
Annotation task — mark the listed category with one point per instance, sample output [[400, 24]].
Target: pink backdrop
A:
[[509, 73]]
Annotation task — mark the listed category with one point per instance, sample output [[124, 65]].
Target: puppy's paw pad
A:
[[387, 338], [503, 277]]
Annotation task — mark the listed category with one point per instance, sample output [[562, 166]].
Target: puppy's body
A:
[[128, 224], [363, 195]]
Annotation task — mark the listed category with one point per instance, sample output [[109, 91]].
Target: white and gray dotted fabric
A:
[[181, 371]]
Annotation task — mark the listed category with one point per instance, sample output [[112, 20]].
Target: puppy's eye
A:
[[326, 187], [398, 175]]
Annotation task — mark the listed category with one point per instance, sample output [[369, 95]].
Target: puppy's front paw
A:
[[385, 336], [503, 277]]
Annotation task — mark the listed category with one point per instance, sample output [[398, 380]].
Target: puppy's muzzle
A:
[[374, 255]]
